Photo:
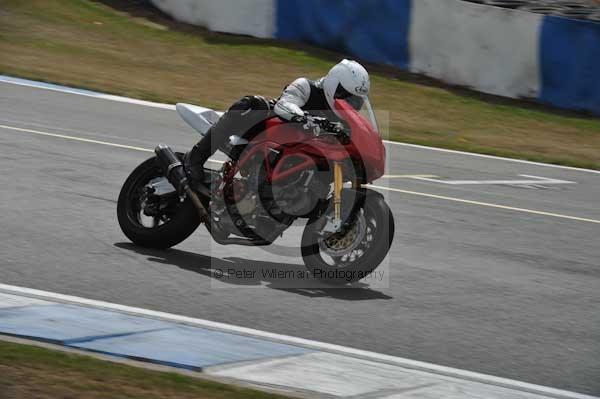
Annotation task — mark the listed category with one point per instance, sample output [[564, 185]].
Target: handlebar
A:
[[316, 123]]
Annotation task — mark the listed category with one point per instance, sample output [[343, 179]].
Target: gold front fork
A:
[[338, 184]]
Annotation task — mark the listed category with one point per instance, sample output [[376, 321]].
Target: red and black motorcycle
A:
[[279, 175]]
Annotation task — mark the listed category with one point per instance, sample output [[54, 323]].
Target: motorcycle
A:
[[269, 181]]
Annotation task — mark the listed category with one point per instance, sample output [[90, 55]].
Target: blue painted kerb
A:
[[137, 337]]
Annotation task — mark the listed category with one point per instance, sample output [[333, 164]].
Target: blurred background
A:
[[492, 76]]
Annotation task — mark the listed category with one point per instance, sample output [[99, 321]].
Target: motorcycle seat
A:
[[200, 118]]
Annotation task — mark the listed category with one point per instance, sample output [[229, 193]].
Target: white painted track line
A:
[[406, 176], [470, 202], [89, 93], [82, 92], [321, 346], [441, 197], [75, 138], [474, 154], [532, 181]]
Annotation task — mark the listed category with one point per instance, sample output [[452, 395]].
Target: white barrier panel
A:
[[494, 50], [247, 17]]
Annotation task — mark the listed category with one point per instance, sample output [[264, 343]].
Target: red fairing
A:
[[365, 144]]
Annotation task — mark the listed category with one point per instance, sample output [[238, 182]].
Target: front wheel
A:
[[153, 222], [344, 258]]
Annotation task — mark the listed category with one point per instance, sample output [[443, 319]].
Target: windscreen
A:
[[362, 105], [367, 112]]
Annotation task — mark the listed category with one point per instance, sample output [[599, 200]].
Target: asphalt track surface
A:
[[512, 291]]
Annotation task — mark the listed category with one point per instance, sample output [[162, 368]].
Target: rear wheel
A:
[[351, 255], [150, 221]]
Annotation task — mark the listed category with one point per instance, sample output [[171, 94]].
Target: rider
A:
[[299, 101]]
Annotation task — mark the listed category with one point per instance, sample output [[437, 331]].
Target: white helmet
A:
[[346, 79]]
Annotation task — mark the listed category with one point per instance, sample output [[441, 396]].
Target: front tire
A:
[[177, 222], [329, 263]]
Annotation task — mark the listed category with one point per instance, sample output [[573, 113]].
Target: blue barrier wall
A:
[[375, 30], [570, 64], [494, 50]]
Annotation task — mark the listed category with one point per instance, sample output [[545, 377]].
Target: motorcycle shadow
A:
[[245, 272]]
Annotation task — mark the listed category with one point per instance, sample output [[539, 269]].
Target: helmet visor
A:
[[356, 102], [342, 93]]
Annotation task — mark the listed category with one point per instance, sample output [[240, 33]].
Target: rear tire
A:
[[377, 214], [180, 225]]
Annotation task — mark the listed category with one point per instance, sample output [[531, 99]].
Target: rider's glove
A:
[[310, 124], [298, 119], [318, 125], [340, 130]]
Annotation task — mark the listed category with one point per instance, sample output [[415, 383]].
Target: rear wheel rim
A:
[[137, 202]]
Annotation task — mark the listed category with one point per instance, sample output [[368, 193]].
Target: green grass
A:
[[141, 54], [33, 372]]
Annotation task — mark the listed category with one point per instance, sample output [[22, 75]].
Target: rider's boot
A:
[[240, 117], [194, 161]]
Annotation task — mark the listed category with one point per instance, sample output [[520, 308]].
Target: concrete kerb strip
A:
[[159, 367], [442, 371]]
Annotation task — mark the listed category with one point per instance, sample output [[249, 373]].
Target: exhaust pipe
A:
[[175, 173], [172, 167]]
